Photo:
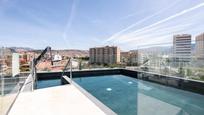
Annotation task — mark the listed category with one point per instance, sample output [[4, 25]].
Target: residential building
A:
[[92, 55], [200, 46], [125, 57], [182, 47], [134, 57], [104, 55]]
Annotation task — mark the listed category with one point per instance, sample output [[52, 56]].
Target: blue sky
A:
[[81, 24]]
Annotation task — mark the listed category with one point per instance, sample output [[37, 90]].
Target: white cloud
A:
[[114, 36], [69, 23], [161, 31]]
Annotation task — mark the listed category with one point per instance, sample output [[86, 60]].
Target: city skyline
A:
[[63, 25]]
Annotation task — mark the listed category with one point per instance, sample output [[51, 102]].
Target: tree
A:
[[189, 72], [181, 71], [80, 64]]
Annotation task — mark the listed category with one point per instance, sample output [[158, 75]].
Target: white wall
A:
[[15, 64]]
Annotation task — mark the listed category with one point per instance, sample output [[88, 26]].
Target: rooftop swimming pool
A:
[[130, 96]]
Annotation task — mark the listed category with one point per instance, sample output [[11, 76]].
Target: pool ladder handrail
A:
[[35, 61], [69, 63]]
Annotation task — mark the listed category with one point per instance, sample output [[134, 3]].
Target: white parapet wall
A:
[[15, 64]]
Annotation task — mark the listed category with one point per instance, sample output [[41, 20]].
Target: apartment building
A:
[[125, 57], [200, 46], [134, 57], [104, 55], [182, 47]]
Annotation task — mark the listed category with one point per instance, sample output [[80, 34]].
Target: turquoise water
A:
[[48, 83], [130, 96]]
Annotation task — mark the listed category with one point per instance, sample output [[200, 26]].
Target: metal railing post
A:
[[33, 73], [1, 73], [71, 69], [2, 87], [69, 63]]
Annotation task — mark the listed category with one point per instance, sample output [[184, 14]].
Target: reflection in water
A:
[[130, 96]]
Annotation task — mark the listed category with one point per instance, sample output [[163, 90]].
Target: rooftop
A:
[[58, 100]]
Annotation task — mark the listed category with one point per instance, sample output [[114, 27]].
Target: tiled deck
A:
[[60, 100], [5, 102]]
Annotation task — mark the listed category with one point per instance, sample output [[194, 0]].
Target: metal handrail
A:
[[33, 74], [69, 63], [35, 61], [65, 67]]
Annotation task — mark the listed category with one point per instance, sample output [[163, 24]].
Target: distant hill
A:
[[21, 49], [72, 52], [66, 52]]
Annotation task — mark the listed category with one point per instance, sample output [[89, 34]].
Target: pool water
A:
[[48, 83], [130, 96]]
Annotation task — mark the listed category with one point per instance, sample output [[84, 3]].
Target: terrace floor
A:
[[60, 100]]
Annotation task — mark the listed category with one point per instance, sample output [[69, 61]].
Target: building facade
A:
[[182, 47], [104, 55], [125, 57], [134, 58], [200, 46]]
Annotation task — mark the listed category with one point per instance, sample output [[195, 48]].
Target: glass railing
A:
[[166, 60], [158, 58], [10, 88], [10, 84]]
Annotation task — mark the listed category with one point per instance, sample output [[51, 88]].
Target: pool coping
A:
[[98, 103]]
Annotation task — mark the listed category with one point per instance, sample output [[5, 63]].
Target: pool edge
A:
[[98, 103]]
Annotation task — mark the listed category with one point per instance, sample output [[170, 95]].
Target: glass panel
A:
[[10, 82]]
